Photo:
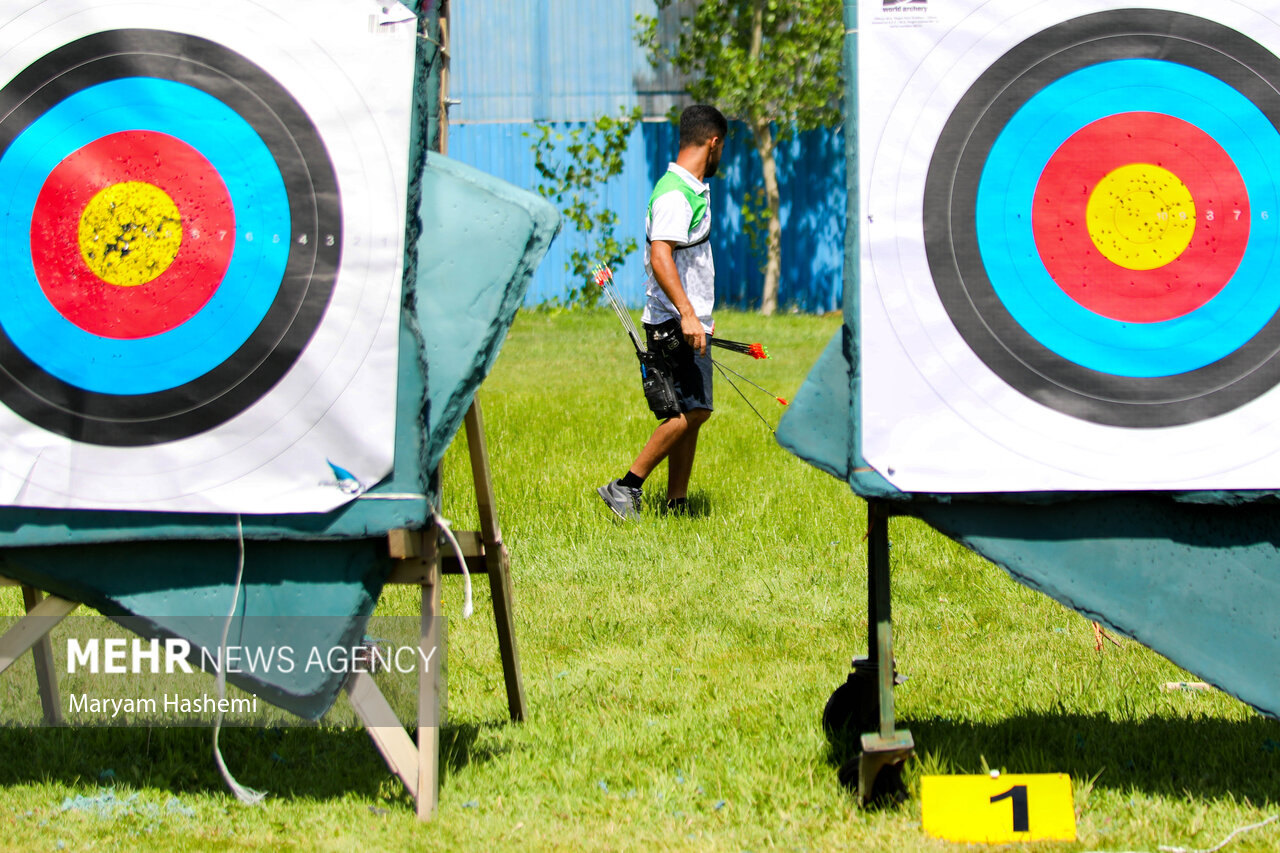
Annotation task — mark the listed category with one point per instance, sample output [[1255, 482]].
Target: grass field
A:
[[676, 669]]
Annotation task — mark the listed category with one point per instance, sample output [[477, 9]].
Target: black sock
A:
[[631, 481], [678, 503]]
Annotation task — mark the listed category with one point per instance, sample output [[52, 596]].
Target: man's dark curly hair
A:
[[699, 123]]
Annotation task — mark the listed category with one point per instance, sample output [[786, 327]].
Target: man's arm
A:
[[663, 264]]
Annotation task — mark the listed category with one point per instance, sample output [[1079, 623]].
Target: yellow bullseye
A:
[[1141, 216], [130, 233]]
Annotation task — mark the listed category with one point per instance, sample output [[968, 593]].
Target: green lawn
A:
[[676, 669]]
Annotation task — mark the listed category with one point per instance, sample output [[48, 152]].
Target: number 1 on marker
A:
[[1021, 819]]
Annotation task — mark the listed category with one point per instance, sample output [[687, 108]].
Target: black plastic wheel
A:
[[854, 707]]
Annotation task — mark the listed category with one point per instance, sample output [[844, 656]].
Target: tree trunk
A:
[[773, 259], [769, 168]]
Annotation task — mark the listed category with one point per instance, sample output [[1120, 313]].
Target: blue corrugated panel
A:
[[552, 60], [493, 60]]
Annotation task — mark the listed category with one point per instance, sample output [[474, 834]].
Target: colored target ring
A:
[[1205, 214], [107, 305], [1207, 356], [258, 196], [220, 338], [1042, 127]]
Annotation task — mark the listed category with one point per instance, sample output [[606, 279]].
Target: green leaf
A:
[[573, 168]]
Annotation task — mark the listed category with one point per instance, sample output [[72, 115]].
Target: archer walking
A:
[[680, 293]]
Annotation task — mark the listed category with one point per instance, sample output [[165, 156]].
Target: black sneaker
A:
[[624, 501]]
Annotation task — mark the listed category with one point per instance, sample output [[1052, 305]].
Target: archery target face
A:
[[203, 219], [1070, 246]]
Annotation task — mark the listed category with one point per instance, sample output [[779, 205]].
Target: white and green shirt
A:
[[680, 211]]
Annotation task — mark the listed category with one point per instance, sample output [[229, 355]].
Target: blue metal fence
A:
[[568, 61]]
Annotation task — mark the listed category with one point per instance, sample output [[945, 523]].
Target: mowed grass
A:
[[676, 669]]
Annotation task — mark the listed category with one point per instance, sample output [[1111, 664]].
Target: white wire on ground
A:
[[1225, 841], [1164, 848], [462, 561], [248, 796]]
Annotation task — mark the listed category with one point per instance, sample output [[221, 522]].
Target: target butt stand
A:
[[420, 562], [863, 705], [417, 561]]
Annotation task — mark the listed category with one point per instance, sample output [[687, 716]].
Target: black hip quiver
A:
[[659, 392]]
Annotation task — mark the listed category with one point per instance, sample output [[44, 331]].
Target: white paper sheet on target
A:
[[249, 159], [1187, 401]]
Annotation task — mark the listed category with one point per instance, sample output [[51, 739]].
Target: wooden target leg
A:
[[42, 652], [416, 765], [430, 686], [32, 632], [29, 630], [497, 562], [392, 741]]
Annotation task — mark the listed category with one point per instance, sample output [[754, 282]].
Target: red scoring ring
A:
[[1141, 296], [173, 297]]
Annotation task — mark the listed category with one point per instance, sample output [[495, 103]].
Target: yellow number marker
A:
[[998, 809]]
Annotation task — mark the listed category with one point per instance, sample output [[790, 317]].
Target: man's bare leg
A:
[[680, 457], [665, 436]]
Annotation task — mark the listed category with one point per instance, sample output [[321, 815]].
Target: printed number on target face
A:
[[1000, 809]]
